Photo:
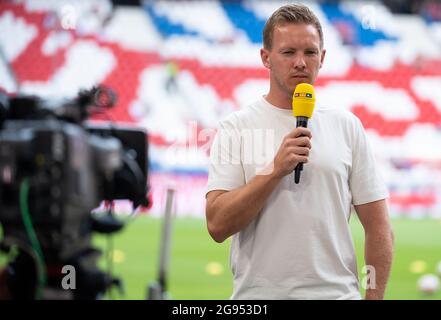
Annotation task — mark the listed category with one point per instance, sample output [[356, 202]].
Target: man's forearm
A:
[[378, 254], [234, 210]]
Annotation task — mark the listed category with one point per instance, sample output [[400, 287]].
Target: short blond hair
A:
[[290, 13]]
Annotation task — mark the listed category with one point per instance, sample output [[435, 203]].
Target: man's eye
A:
[[311, 52]]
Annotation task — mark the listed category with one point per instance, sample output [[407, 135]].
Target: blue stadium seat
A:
[[166, 27], [244, 19], [362, 36]]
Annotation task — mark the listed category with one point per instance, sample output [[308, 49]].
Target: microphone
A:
[[303, 102]]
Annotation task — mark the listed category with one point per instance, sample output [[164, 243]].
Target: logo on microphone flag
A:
[[303, 94]]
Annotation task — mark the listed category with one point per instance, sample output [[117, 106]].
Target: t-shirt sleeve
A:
[[225, 165], [366, 182]]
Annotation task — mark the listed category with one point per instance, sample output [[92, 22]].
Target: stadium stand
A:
[[390, 62]]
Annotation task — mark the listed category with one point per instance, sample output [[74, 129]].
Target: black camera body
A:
[[55, 168]]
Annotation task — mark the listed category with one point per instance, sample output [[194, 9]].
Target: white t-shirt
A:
[[300, 245]]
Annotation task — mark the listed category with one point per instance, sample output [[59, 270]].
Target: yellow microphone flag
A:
[[303, 100]]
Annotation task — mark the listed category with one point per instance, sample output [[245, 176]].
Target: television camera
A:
[[55, 168]]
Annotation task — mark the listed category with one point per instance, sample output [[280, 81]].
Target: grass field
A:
[[199, 266]]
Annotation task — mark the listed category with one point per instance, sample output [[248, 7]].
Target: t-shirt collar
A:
[[272, 108]]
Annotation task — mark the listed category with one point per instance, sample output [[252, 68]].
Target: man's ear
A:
[[264, 55], [322, 58]]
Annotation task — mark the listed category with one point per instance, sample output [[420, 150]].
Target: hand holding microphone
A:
[[303, 103], [295, 147], [293, 151]]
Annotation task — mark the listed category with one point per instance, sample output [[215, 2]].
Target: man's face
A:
[[295, 56]]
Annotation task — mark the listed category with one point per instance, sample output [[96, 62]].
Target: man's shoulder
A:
[[238, 118], [338, 114]]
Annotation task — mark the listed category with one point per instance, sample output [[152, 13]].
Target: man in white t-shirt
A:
[[293, 241]]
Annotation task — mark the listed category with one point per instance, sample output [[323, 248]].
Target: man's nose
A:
[[299, 61]]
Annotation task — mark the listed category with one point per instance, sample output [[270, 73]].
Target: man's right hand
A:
[[294, 149]]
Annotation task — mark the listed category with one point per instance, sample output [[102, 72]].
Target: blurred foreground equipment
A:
[[55, 168], [157, 290]]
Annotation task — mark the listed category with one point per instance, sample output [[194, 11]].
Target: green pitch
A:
[[199, 266]]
